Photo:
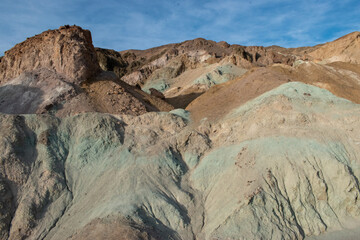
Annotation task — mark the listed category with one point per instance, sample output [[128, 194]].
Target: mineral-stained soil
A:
[[286, 160], [263, 144], [342, 79], [336, 73]]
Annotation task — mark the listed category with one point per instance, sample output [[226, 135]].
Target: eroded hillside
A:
[[58, 72], [92, 148]]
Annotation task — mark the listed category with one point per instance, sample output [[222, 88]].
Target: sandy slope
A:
[[342, 79], [344, 49]]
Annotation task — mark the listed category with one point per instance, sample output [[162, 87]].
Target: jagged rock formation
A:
[[68, 51], [58, 72], [111, 60], [186, 70], [267, 148]]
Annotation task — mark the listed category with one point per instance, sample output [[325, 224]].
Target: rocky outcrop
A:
[[68, 51], [184, 71], [193, 54], [57, 72], [111, 60]]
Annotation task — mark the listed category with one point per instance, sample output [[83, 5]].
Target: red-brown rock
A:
[[67, 50]]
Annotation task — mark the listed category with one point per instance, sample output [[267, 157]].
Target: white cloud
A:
[[123, 24]]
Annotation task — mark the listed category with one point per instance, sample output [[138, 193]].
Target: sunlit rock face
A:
[[58, 72]]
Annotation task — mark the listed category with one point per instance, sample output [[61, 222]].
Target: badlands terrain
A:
[[194, 140]]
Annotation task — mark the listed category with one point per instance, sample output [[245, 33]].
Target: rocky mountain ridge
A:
[[263, 144], [58, 71], [186, 70]]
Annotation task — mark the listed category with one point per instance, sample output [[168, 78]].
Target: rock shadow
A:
[[182, 101], [22, 160], [20, 99]]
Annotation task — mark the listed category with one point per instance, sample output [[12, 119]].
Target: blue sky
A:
[[141, 24]]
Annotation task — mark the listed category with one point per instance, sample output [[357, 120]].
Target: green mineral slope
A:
[[283, 166]]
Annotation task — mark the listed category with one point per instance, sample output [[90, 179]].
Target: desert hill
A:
[[193, 140], [344, 49], [58, 71], [184, 71]]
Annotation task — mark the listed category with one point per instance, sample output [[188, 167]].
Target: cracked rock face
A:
[[67, 50], [258, 174]]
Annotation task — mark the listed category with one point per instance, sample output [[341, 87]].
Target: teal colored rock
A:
[[286, 161]]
